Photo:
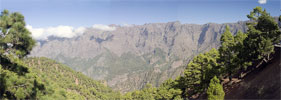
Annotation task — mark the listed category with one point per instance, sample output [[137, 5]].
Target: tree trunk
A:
[[264, 59], [240, 73], [230, 77]]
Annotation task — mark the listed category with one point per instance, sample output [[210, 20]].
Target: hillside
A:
[[65, 83], [132, 56], [262, 83]]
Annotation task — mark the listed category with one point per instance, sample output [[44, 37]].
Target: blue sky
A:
[[45, 13]]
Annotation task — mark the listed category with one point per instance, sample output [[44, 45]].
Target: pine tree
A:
[[238, 50], [215, 90], [167, 92], [15, 39], [226, 51], [263, 32], [199, 72], [17, 82]]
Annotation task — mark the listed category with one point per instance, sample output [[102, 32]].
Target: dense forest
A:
[[22, 77], [65, 83]]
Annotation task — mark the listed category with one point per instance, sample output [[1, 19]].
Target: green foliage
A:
[[255, 13], [147, 93], [239, 60], [235, 54], [68, 84], [215, 90], [14, 37], [198, 73], [226, 51], [17, 82], [14, 86], [164, 92], [263, 32], [238, 48], [167, 92], [42, 78]]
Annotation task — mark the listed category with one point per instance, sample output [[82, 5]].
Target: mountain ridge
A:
[[126, 56]]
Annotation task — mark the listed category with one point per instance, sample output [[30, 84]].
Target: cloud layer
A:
[[59, 31], [104, 27], [63, 31], [262, 1]]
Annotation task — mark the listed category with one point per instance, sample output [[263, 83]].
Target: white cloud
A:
[[104, 27], [63, 31], [59, 31], [262, 1], [80, 30]]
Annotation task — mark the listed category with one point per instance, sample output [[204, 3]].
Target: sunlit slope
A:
[[68, 83]]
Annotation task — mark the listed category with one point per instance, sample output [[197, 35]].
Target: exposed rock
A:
[[129, 57]]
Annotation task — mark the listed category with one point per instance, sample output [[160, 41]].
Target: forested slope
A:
[[67, 83]]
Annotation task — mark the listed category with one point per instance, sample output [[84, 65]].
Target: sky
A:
[[74, 15]]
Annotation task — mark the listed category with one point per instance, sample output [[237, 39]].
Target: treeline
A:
[[205, 72]]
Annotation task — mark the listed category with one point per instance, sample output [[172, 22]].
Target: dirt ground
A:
[[262, 83]]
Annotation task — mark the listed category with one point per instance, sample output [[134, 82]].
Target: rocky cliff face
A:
[[132, 56]]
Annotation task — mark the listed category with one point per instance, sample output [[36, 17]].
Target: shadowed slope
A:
[[262, 83]]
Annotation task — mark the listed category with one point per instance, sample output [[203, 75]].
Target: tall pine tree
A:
[[226, 51], [263, 33], [16, 81], [238, 50]]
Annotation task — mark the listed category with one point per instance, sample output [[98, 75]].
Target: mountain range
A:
[[129, 57]]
